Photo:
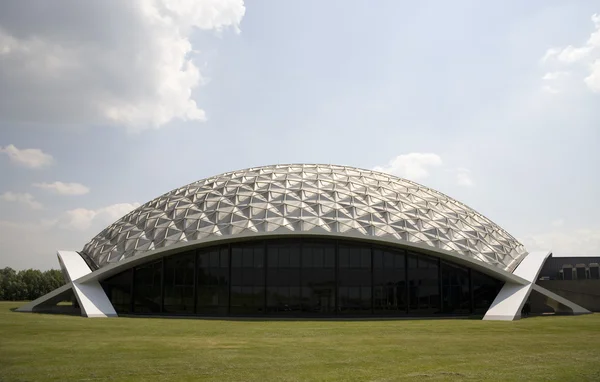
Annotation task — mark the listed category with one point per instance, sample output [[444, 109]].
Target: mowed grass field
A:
[[42, 347]]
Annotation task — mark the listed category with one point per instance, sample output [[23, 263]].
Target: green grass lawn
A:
[[39, 347]]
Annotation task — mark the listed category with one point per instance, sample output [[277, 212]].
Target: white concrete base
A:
[[508, 304], [90, 295]]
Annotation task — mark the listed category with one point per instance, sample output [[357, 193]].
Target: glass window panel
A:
[[329, 257], [294, 255], [353, 278], [236, 257], [214, 258], [224, 254], [344, 257], [307, 258], [485, 290], [377, 259], [272, 257], [365, 258], [178, 292], [247, 258], [258, 259], [147, 288], [283, 280], [389, 285], [388, 260], [284, 258], [248, 281], [424, 285], [399, 261], [317, 257], [118, 290], [318, 283], [412, 262], [204, 258], [456, 295], [212, 279], [354, 257]]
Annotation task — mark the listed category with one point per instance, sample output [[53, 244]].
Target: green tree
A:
[[28, 284]]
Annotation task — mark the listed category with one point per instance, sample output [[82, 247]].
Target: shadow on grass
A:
[[302, 318]]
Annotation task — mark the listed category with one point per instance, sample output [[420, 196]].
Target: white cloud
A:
[[32, 158], [570, 54], [81, 219], [413, 166], [463, 177], [121, 62], [581, 242], [584, 61], [550, 89], [64, 188], [558, 223], [555, 75], [550, 54], [593, 80], [418, 166], [25, 199]]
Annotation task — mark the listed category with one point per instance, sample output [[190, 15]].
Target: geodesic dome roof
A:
[[313, 198]]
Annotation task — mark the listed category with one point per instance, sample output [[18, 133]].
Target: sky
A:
[[104, 105]]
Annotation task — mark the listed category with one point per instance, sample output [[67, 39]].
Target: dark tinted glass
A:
[[301, 277], [485, 290], [179, 283], [118, 290], [423, 284], [389, 282], [456, 294], [318, 284], [147, 288], [354, 279], [247, 280], [212, 281], [283, 278]]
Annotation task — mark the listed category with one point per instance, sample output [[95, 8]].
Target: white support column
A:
[[90, 295], [509, 302]]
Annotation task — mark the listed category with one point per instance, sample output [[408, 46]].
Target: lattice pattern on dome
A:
[[319, 198]]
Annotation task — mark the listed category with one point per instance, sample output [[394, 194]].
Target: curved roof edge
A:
[[115, 268]]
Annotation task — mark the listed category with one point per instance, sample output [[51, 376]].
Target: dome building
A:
[[303, 240]]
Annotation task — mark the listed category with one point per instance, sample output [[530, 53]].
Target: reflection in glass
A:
[[354, 279], [283, 278], [247, 279], [389, 282], [212, 280], [178, 295], [423, 284], [485, 290], [147, 281], [318, 277], [456, 294], [301, 277], [118, 290]]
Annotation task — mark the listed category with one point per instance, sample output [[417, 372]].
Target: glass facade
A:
[[283, 278], [178, 291], [301, 277]]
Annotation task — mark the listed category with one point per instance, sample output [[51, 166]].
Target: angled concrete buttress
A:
[[90, 295], [509, 302]]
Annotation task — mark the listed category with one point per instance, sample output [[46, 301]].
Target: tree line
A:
[[28, 284]]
